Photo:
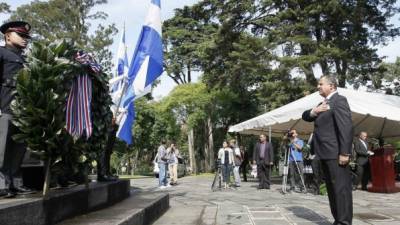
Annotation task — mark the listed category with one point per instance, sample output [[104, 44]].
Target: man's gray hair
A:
[[331, 80]]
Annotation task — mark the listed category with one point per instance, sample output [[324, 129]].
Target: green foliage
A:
[[42, 93], [188, 102], [39, 107], [184, 36], [69, 19], [323, 190]]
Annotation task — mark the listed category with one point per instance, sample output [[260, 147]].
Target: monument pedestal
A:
[[62, 204]]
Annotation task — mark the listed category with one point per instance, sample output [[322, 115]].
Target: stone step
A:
[[141, 208], [62, 204]]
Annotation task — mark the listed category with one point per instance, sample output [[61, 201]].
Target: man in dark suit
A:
[[332, 144], [263, 156], [362, 153], [245, 161]]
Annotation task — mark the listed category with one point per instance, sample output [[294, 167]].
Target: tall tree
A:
[[338, 36], [183, 37], [188, 103], [70, 19]]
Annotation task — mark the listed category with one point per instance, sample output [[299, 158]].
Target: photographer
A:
[[295, 157]]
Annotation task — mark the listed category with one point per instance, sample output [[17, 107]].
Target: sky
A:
[[133, 14]]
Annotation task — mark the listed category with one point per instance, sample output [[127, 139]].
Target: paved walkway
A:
[[193, 203]]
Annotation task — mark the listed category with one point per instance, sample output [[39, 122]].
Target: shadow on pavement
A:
[[303, 214]]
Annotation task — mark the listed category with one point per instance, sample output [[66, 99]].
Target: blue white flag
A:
[[121, 71], [146, 65]]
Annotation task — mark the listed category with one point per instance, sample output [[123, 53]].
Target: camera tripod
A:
[[217, 182], [289, 153]]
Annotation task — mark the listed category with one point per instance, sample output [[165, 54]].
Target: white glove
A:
[[371, 153]]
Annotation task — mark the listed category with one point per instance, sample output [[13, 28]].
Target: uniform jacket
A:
[[11, 62]]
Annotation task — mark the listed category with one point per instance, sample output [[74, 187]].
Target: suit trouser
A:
[[243, 169], [339, 187], [11, 152], [264, 175], [363, 174], [317, 176]]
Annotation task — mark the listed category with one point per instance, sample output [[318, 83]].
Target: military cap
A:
[[19, 27]]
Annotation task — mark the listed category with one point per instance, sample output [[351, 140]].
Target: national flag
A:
[[146, 66], [121, 71]]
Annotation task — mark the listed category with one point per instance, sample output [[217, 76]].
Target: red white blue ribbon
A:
[[78, 114], [78, 107]]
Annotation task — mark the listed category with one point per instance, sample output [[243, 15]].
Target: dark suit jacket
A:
[[361, 152], [269, 155], [333, 129]]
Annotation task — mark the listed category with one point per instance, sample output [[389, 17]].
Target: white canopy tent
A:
[[378, 114]]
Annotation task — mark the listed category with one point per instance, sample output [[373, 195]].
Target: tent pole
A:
[[383, 126], [269, 133], [362, 120]]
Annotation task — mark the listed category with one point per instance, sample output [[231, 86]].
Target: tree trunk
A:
[[341, 70], [135, 162], [210, 142], [192, 158], [206, 156], [310, 77]]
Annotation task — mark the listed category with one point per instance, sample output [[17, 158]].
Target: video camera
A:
[[289, 134]]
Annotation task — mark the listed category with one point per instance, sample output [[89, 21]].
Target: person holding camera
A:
[[225, 155], [296, 165], [173, 155]]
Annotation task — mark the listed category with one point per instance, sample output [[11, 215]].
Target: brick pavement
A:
[[193, 203]]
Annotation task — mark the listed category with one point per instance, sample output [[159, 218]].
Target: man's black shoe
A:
[[364, 188], [4, 193], [113, 176], [106, 178], [23, 190]]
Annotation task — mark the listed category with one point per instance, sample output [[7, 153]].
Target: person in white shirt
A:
[[225, 155], [237, 161]]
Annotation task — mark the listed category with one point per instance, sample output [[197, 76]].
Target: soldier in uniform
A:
[[16, 35]]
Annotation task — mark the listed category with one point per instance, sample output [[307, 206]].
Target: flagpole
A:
[[124, 87]]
